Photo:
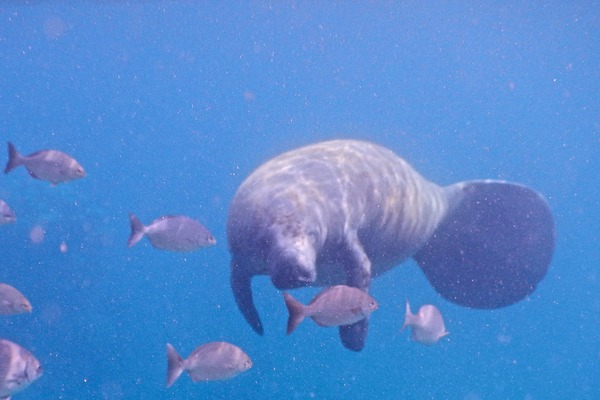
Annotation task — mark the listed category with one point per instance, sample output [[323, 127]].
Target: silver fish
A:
[[18, 368], [7, 216], [12, 301], [215, 361], [171, 232], [427, 325], [48, 165], [334, 306]]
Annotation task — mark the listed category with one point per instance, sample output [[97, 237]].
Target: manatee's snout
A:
[[291, 276], [292, 265]]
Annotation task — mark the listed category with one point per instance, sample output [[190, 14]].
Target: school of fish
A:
[[334, 306]]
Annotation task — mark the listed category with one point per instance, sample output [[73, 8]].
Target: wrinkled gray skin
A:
[[345, 211]]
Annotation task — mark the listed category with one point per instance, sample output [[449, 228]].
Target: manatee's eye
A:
[[312, 236]]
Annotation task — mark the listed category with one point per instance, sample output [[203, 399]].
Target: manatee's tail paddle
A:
[[174, 365], [14, 158], [241, 286], [494, 246], [137, 230]]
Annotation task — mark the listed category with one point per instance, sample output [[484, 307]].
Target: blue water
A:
[[169, 106]]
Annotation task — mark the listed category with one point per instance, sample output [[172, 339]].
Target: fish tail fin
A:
[[137, 230], [408, 317], [14, 158], [174, 365], [296, 311]]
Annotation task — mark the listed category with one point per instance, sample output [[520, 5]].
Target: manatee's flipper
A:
[[242, 290], [494, 246], [354, 336], [358, 274]]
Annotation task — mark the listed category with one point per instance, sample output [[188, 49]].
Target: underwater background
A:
[[170, 105]]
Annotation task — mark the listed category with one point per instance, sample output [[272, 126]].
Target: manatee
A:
[[346, 211]]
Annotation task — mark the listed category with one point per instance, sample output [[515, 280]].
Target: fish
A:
[[48, 165], [7, 215], [171, 232], [214, 361], [18, 368], [427, 325], [12, 301], [335, 306]]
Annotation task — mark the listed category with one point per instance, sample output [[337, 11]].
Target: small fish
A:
[[427, 325], [7, 216], [12, 301], [48, 165], [334, 306], [215, 361], [18, 369], [171, 232]]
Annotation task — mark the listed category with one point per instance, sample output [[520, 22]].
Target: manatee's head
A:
[[291, 261], [281, 247]]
